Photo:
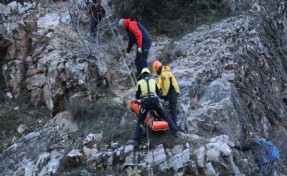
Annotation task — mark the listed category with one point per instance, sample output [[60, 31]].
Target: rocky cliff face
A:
[[45, 55], [232, 76]]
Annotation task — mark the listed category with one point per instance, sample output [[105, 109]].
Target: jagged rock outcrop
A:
[[47, 156], [51, 67], [232, 76], [38, 152]]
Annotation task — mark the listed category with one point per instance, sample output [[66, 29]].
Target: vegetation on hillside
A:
[[16, 113], [172, 17]]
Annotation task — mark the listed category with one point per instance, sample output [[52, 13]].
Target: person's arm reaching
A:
[[242, 148]]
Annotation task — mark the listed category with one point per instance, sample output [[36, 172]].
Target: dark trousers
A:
[[141, 59], [94, 23], [143, 114], [267, 169], [172, 99]]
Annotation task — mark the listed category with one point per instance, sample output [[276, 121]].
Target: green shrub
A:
[[103, 115], [19, 112], [171, 17]]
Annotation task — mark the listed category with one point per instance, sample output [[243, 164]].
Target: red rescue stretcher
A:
[[153, 122]]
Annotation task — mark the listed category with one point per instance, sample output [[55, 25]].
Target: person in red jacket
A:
[[140, 36]]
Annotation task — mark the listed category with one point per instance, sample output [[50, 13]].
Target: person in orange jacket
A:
[[169, 87], [140, 36]]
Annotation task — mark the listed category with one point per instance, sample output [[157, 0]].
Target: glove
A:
[[231, 144], [128, 55], [140, 50]]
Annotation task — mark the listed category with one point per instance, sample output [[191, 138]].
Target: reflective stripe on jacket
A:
[[142, 88], [164, 81]]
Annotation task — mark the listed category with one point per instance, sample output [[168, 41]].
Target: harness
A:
[[148, 90], [150, 98]]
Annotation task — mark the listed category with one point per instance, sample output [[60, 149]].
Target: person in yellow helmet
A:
[[147, 91], [168, 86]]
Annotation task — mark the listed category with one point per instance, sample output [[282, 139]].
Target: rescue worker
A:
[[168, 87], [147, 91], [140, 36], [97, 12], [264, 168]]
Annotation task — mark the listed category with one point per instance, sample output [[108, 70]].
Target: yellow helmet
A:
[[145, 70]]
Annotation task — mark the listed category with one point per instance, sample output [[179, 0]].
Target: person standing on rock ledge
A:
[[146, 91], [138, 34], [168, 86], [97, 12]]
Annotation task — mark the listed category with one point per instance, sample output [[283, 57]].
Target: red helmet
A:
[[155, 66]]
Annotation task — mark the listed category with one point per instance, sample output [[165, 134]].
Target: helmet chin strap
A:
[[159, 71]]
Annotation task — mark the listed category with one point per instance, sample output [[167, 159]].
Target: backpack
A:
[[271, 153], [97, 11]]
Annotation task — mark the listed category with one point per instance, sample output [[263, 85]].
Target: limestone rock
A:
[[50, 20], [66, 122], [75, 157], [93, 138]]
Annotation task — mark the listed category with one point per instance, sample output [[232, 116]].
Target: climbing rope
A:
[[148, 141], [131, 74]]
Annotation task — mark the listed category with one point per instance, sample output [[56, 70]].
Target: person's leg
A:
[[266, 169], [172, 107], [145, 49], [138, 64], [93, 24], [165, 117], [140, 121], [269, 168], [141, 59]]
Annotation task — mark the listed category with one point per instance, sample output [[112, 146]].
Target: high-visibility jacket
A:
[[166, 80], [137, 34], [142, 89]]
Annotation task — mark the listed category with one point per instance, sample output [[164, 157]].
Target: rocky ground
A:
[[231, 74]]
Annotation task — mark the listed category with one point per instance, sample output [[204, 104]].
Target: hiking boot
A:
[[92, 37], [133, 142]]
